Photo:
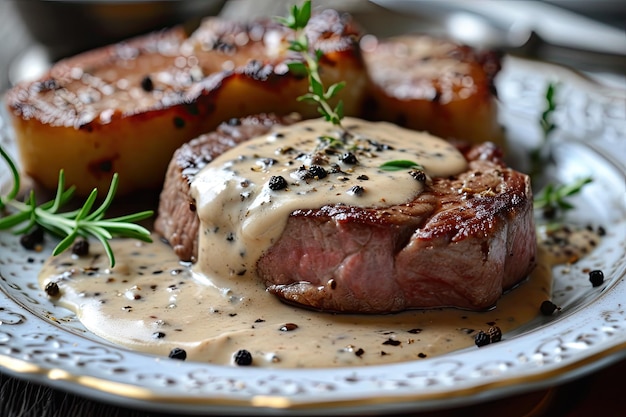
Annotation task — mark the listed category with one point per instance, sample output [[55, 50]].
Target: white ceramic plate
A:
[[47, 344]]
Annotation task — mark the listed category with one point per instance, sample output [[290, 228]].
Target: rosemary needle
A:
[[553, 198]]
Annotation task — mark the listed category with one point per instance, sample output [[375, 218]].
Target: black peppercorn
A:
[[348, 158], [80, 247], [52, 289], [158, 335], [418, 175], [356, 190], [318, 172], [266, 162], [277, 183], [335, 169], [596, 277], [32, 239], [495, 334], [243, 358], [178, 353], [547, 308], [482, 339]]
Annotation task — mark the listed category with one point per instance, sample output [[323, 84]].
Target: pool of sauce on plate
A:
[[153, 303]]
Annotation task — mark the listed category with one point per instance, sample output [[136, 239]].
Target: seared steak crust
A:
[[459, 244]]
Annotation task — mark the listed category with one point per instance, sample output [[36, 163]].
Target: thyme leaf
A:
[[69, 225], [399, 164]]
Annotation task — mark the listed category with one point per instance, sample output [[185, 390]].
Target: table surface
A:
[[599, 393]]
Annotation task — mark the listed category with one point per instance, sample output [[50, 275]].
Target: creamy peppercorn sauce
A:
[[149, 302], [241, 215], [152, 302]]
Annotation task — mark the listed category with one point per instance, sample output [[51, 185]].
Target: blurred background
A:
[[35, 33]]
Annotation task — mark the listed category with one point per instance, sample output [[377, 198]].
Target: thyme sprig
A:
[[318, 94], [69, 225], [553, 199]]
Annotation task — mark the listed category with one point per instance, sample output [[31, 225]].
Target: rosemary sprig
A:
[[317, 94], [553, 199], [69, 225]]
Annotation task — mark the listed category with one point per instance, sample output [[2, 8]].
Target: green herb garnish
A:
[[538, 155], [317, 94], [399, 164], [69, 225], [547, 124], [552, 199]]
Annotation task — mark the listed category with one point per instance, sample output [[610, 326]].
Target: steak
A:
[[460, 243]]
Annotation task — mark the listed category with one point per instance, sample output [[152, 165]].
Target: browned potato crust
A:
[[426, 83], [125, 108]]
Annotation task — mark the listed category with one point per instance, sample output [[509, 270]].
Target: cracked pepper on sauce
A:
[[242, 212], [152, 302]]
